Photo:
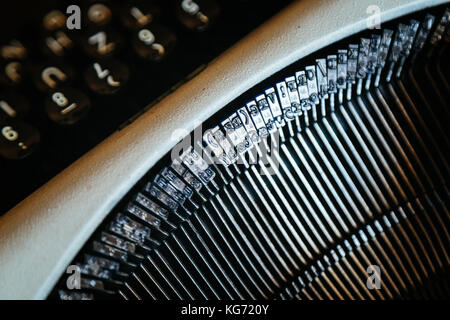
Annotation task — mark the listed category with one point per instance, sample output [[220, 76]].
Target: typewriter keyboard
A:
[[62, 91]]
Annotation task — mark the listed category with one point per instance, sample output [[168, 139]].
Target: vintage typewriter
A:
[[306, 161]]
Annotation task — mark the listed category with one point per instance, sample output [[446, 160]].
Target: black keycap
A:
[[50, 76], [154, 42], [13, 50], [12, 73], [98, 14], [106, 77], [13, 106], [12, 56], [67, 105], [138, 14], [17, 139], [197, 14], [102, 43], [58, 43], [54, 20]]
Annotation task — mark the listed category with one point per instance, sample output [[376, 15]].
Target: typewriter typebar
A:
[[308, 161]]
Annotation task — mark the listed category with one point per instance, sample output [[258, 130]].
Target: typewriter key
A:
[[197, 15], [12, 72], [13, 50], [154, 42], [17, 139], [51, 76], [54, 20], [99, 14], [139, 14], [102, 43], [12, 68], [13, 106], [66, 105], [106, 77], [58, 43]]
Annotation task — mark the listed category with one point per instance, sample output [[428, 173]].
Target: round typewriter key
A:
[[58, 43], [139, 14], [66, 105], [154, 42], [99, 14], [17, 139], [11, 72], [106, 77], [102, 43], [13, 106], [13, 50], [51, 76], [12, 54], [197, 14], [54, 20]]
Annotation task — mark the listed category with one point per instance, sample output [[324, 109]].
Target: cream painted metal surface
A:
[[41, 235]]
